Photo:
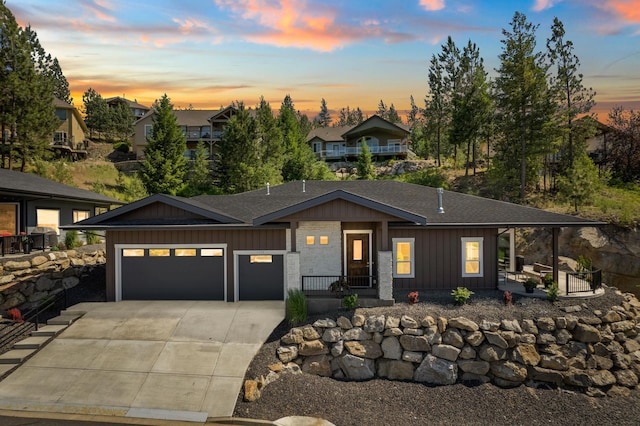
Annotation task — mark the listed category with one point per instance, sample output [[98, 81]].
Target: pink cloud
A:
[[101, 9], [541, 5], [432, 5], [292, 23], [627, 10]]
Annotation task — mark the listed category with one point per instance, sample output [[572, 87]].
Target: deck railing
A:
[[321, 285], [13, 244], [584, 281]]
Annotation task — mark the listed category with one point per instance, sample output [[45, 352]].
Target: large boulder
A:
[[436, 371], [364, 349], [356, 368], [396, 370], [508, 370]]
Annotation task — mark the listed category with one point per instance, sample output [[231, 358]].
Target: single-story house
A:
[[376, 235], [28, 201], [384, 140]]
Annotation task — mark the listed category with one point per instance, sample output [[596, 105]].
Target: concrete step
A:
[[49, 330], [16, 356], [63, 319], [5, 368], [33, 342]]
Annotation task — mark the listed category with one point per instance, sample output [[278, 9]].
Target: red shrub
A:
[[413, 297]]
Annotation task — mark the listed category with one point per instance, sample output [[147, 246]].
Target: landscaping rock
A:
[[294, 336], [287, 353], [526, 355], [318, 365], [415, 343], [332, 335], [453, 337], [364, 349], [356, 333], [310, 333], [509, 370], [391, 348], [479, 368], [344, 323], [314, 347], [251, 391], [396, 370], [448, 352], [586, 333], [408, 322], [356, 368], [436, 371], [463, 324], [374, 323], [411, 356]]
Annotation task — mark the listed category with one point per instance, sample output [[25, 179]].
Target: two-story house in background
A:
[[137, 110], [197, 125], [384, 140]]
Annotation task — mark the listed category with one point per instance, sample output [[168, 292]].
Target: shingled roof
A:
[[16, 183]]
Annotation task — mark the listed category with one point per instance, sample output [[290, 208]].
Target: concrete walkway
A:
[[172, 360]]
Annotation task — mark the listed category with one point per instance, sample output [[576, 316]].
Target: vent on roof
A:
[[267, 188], [440, 207], [304, 186]]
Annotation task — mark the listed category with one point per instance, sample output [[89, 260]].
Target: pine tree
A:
[[365, 163], [580, 183], [271, 149], [436, 111], [324, 119], [96, 111], [299, 158], [199, 178], [164, 166], [392, 115], [525, 108], [573, 98], [382, 110]]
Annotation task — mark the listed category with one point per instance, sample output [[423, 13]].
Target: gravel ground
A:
[[383, 402]]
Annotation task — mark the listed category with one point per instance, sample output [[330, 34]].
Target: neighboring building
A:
[[197, 125], [384, 139], [28, 201], [137, 110], [377, 235], [599, 146], [72, 129]]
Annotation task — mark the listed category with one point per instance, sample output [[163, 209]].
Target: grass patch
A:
[[296, 307]]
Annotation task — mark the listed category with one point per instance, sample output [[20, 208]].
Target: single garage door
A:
[[261, 277], [172, 274]]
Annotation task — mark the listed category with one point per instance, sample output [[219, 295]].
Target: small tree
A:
[[164, 166], [581, 182], [365, 164], [199, 180]]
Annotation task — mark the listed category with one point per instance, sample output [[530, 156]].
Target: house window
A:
[[472, 249], [49, 218], [60, 137], [79, 215], [8, 219], [262, 258], [311, 240], [148, 130], [211, 252], [100, 210], [324, 240], [317, 147], [403, 258], [185, 252], [357, 250]]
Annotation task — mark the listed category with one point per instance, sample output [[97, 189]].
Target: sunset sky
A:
[[208, 53]]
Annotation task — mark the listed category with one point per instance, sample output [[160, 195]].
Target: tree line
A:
[[256, 148]]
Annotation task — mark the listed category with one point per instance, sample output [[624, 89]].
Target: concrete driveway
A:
[[173, 360]]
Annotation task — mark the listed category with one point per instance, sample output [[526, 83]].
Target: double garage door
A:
[[197, 273]]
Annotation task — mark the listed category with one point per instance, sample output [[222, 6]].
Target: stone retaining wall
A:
[[599, 355], [31, 278]]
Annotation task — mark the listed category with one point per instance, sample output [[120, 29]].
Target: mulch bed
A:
[[383, 402]]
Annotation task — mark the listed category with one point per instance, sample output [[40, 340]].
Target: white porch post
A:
[[385, 275]]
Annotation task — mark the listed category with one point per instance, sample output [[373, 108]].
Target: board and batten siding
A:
[[262, 239], [342, 210], [438, 259]]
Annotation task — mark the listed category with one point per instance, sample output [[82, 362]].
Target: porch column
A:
[[556, 233], [294, 227], [293, 271], [385, 275], [384, 235]]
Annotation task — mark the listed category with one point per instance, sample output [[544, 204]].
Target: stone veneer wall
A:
[[31, 278], [600, 354]]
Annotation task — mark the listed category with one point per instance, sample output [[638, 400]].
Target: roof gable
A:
[[161, 209], [375, 122]]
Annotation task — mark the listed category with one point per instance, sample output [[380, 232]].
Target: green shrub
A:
[[92, 237], [434, 178], [461, 295], [350, 301], [122, 146], [71, 240], [552, 292], [296, 307]]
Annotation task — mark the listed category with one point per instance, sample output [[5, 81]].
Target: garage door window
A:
[[211, 252], [185, 252], [262, 258], [159, 252], [133, 252]]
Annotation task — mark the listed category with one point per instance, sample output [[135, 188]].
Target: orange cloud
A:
[[292, 23], [432, 5], [628, 10], [101, 9]]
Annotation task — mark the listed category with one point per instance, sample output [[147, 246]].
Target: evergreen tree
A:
[[624, 154], [471, 104], [392, 115], [120, 121], [299, 157], [238, 165], [199, 179], [580, 183], [164, 166], [365, 164], [525, 108], [61, 85], [382, 110], [414, 112], [436, 111], [573, 98], [271, 148], [96, 111], [324, 119]]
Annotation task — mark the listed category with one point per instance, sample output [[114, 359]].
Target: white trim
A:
[[463, 253], [412, 260], [118, 260], [236, 269], [344, 248]]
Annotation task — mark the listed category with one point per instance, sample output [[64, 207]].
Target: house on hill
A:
[[137, 110], [376, 236], [197, 125], [384, 140], [69, 139]]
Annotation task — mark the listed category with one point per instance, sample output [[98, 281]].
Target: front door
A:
[[358, 265]]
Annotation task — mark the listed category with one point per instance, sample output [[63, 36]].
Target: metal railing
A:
[[32, 317], [353, 151], [328, 285], [13, 244], [584, 281]]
